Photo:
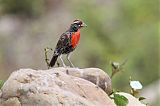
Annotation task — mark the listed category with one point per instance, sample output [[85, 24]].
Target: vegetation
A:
[[120, 100], [25, 7]]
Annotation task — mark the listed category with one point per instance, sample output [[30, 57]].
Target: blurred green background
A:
[[117, 30]]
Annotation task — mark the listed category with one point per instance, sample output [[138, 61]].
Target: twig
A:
[[46, 50], [116, 67]]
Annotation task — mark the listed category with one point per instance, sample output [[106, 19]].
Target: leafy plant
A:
[[120, 100]]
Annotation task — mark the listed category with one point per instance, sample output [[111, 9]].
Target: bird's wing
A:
[[64, 41]]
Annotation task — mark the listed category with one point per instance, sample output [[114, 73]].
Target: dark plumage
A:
[[67, 42]]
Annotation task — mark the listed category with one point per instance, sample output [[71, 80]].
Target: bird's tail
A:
[[53, 60]]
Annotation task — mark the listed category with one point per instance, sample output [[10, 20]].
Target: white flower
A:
[[135, 85]]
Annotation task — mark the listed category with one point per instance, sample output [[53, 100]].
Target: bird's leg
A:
[[58, 63], [62, 61], [68, 58]]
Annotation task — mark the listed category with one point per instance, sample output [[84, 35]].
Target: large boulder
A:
[[57, 87]]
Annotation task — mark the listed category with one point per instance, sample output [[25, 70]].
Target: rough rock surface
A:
[[94, 75], [53, 87]]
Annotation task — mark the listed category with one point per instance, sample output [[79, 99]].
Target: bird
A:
[[67, 43]]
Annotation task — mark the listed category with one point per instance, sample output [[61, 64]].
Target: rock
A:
[[132, 101], [94, 75], [53, 87], [11, 102]]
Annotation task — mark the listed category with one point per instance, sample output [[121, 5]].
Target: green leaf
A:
[[120, 100], [1, 83], [141, 98]]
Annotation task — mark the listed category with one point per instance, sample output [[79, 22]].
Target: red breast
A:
[[75, 38]]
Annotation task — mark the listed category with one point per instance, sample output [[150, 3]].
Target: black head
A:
[[77, 24]]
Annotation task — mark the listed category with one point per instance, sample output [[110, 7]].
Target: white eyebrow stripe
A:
[[76, 22]]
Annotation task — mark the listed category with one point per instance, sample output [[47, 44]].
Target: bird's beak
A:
[[83, 25]]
